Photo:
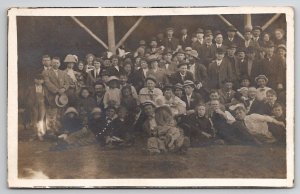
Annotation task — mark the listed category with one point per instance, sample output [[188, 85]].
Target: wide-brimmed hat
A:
[[71, 59], [220, 50], [112, 78], [243, 89], [96, 110], [193, 53], [148, 102], [188, 83], [71, 110], [182, 63], [151, 77], [231, 29], [257, 28], [261, 77], [61, 100]]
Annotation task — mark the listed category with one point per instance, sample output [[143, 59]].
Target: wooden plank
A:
[[248, 21], [129, 32], [229, 24], [268, 23], [84, 27], [111, 34]]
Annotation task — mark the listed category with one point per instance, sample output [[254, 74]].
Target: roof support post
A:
[[111, 34], [248, 21]]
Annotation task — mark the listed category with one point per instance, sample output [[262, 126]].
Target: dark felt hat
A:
[[231, 29]]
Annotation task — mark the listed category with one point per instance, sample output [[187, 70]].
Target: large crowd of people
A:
[[171, 92]]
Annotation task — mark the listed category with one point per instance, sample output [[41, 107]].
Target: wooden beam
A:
[[268, 23], [129, 32], [248, 21], [111, 34], [229, 24], [89, 32]]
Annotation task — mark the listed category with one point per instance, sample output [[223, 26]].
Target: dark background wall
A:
[[59, 36]]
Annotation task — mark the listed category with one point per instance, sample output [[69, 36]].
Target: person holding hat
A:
[[273, 68], [36, 101], [170, 42], [185, 39], [182, 74], [231, 37], [176, 105], [95, 74], [150, 92], [57, 83], [219, 70], [256, 31], [248, 39], [191, 98], [112, 95]]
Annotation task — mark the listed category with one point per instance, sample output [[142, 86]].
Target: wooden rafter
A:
[[229, 24], [84, 27], [268, 23]]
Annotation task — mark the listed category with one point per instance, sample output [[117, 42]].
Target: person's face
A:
[[38, 81], [96, 116], [55, 63], [144, 64], [97, 64], [208, 39], [271, 98], [219, 39], [214, 96], [278, 34], [127, 68], [80, 66], [110, 113], [261, 82], [200, 111], [106, 63], [153, 44], [46, 62], [241, 55], [168, 93], [194, 39], [183, 69], [126, 92], [256, 33], [219, 56], [85, 93], [105, 78], [99, 89], [247, 35], [178, 93], [228, 86], [180, 56], [113, 84], [251, 55], [244, 93], [200, 36], [154, 64], [183, 31], [277, 112], [150, 84], [266, 37], [215, 104], [230, 34], [188, 90], [114, 61], [149, 110], [70, 65], [240, 114], [270, 51], [90, 59], [281, 52], [170, 33], [123, 79], [122, 113], [168, 57], [245, 83], [252, 94], [231, 52]]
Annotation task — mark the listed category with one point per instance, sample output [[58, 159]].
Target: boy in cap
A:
[[219, 70]]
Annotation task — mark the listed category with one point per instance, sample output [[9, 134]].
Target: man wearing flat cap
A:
[[231, 37], [219, 70], [170, 41], [207, 50]]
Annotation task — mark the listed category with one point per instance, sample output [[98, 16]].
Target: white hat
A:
[[71, 110], [61, 100]]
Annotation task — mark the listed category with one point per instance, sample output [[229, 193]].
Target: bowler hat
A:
[[182, 63], [71, 59], [188, 83], [231, 29], [232, 45], [240, 50], [261, 77], [200, 30], [218, 32], [281, 46], [208, 33], [193, 53], [257, 28], [61, 100], [220, 50]]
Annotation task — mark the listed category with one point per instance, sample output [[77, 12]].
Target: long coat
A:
[[216, 75], [91, 78], [171, 43], [54, 83]]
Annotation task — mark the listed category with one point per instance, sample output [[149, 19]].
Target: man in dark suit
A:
[[46, 65], [185, 39], [182, 74], [248, 40], [219, 41], [99, 89], [139, 76], [207, 50], [253, 105], [115, 69], [191, 98], [198, 70], [170, 41], [95, 74], [231, 37], [200, 40], [219, 70], [256, 31]]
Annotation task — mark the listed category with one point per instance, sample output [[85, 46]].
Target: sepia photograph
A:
[[151, 97]]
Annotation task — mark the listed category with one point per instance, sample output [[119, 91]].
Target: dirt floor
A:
[[92, 161]]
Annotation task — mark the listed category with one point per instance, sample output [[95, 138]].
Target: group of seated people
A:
[[169, 97]]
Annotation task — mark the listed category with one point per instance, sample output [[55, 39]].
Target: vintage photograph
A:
[[151, 97]]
